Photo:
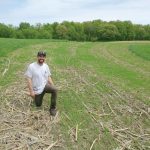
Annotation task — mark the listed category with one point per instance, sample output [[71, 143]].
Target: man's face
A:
[[41, 59]]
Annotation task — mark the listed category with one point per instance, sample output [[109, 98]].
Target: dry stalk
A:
[[126, 145], [20, 147], [6, 69], [101, 115], [52, 145], [66, 116], [6, 129], [111, 109], [148, 110], [143, 111], [76, 136], [118, 130], [93, 144], [89, 111], [102, 125]]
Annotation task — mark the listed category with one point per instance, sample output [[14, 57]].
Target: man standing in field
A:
[[40, 82]]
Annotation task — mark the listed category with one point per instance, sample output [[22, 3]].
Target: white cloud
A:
[[34, 11]]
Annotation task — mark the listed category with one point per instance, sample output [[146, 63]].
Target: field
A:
[[103, 101]]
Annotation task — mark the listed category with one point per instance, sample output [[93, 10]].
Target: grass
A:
[[13, 44], [138, 50], [93, 78]]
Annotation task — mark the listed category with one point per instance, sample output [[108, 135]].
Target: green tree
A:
[[107, 32], [24, 25], [140, 32], [61, 31], [54, 34], [95, 30], [29, 33], [43, 31], [43, 34], [19, 34], [121, 29], [6, 31], [90, 29], [147, 30], [79, 28], [130, 34], [71, 33]]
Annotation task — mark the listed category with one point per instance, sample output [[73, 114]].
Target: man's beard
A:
[[40, 61]]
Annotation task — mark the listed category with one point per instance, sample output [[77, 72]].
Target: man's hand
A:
[[50, 81], [32, 94], [29, 82]]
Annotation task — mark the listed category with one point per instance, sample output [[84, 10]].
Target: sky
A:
[[48, 11]]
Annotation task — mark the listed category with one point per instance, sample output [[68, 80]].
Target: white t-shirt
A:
[[39, 75]]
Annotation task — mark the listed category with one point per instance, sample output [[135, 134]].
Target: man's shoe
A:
[[52, 111]]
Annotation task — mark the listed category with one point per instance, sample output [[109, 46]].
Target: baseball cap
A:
[[41, 53]]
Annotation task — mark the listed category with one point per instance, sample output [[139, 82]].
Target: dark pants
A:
[[48, 89]]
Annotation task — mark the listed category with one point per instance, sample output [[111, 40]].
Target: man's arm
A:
[[50, 81], [29, 82]]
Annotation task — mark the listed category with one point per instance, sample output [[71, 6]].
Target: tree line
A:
[[96, 30]]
